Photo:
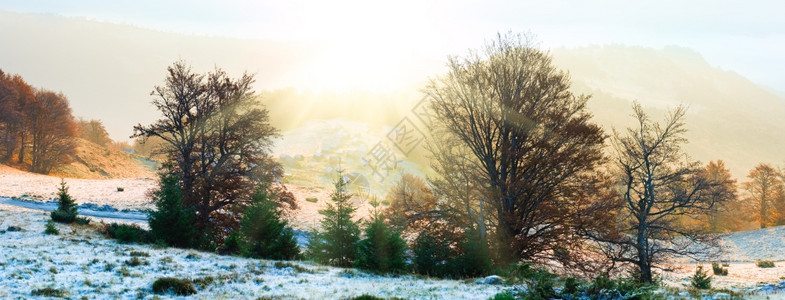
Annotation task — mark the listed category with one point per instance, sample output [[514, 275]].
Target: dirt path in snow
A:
[[87, 209]]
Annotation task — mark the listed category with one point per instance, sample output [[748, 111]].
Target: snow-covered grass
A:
[[741, 252], [82, 263]]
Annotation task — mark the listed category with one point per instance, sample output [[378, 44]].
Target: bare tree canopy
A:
[[52, 129], [532, 143], [94, 131], [763, 191], [218, 139], [727, 216], [658, 184], [15, 95], [37, 122], [410, 201]]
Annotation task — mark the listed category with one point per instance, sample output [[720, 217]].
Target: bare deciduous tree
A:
[[530, 136], [459, 184], [218, 138], [410, 201], [15, 95], [658, 184], [94, 131], [727, 215], [763, 189], [52, 130]]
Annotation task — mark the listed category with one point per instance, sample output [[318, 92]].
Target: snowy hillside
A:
[[753, 245], [80, 262]]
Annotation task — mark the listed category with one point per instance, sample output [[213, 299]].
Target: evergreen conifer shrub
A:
[[382, 250], [336, 243], [231, 243], [432, 256], [264, 233], [700, 280], [66, 211], [50, 228], [171, 222]]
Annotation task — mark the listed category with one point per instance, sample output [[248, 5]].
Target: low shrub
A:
[[372, 297], [765, 264], [571, 285], [204, 282], [312, 199], [126, 233], [82, 220], [50, 228], [298, 268], [180, 287], [50, 292], [120, 189], [700, 280], [539, 284], [138, 254], [506, 295], [135, 262], [367, 297], [63, 216], [231, 243], [718, 269]]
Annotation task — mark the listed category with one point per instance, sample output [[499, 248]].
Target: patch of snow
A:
[[84, 263]]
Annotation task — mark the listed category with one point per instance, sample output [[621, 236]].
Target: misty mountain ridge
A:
[[729, 117]]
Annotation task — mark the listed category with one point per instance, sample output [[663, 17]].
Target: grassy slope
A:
[[93, 161]]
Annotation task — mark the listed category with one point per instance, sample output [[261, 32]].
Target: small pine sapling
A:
[[50, 228], [66, 206], [700, 280]]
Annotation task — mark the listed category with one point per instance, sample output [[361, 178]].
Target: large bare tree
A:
[[763, 189], [218, 138], [15, 95], [52, 131], [727, 216], [531, 139], [658, 184]]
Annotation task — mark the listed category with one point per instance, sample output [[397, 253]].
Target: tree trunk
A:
[[506, 251], [21, 155], [481, 222], [10, 145], [643, 257], [763, 213]]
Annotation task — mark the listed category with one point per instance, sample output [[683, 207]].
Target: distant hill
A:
[[108, 70], [730, 118]]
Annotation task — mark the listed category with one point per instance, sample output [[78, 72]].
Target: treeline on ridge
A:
[[37, 128]]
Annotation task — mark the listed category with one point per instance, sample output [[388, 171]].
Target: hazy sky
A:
[[368, 36]]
